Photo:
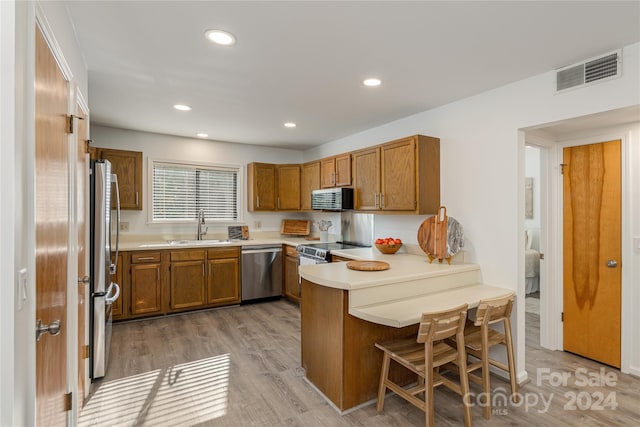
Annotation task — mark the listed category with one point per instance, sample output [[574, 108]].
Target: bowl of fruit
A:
[[388, 245]]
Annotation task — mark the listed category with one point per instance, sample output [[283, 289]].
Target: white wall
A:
[[166, 147], [482, 163]]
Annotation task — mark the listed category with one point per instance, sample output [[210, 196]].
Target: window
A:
[[179, 191]]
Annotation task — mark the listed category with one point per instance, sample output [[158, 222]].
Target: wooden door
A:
[[127, 166], [145, 288], [223, 281], [366, 179], [309, 181], [82, 193], [291, 285], [117, 308], [262, 187], [328, 173], [398, 175], [187, 284], [52, 233], [288, 187], [592, 251], [343, 170]]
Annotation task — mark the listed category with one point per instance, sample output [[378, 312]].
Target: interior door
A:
[[82, 184], [52, 234], [592, 251]]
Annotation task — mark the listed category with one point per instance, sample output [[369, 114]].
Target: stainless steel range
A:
[[320, 253]]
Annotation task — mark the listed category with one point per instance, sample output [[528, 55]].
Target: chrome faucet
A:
[[200, 224]]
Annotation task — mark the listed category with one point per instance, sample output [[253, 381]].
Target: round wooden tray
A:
[[368, 265]]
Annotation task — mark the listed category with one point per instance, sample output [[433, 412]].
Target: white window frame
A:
[[239, 191]]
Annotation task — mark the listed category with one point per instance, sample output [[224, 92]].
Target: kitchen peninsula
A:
[[345, 312]]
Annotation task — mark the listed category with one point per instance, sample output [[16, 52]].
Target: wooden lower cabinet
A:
[[163, 282], [223, 277], [187, 280], [145, 285], [291, 283]]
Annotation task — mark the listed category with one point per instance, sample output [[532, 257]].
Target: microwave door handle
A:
[[114, 265]]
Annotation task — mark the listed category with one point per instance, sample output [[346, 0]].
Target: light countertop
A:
[[158, 244], [398, 296]]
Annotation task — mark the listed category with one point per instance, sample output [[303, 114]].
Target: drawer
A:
[[215, 253], [197, 255], [145, 257], [291, 251]]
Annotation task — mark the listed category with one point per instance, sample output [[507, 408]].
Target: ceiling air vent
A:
[[604, 67]]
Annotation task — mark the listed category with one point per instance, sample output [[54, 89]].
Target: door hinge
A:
[[562, 166], [70, 122], [87, 145], [85, 351], [562, 316], [68, 401]]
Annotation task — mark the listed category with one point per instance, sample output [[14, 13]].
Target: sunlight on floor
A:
[[183, 394]]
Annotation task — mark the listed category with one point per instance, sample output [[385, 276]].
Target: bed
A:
[[531, 265]]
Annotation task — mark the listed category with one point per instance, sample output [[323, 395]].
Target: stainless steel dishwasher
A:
[[261, 272]]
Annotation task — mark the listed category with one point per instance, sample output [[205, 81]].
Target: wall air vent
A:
[[604, 67]]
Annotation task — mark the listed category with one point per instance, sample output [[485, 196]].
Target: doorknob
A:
[[612, 263], [52, 328]]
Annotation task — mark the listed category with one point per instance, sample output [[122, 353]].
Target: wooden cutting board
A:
[[432, 236], [295, 227], [368, 265]]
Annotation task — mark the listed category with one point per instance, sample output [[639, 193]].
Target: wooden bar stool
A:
[[479, 338], [423, 356]]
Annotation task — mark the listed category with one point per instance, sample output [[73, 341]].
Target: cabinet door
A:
[[309, 181], [291, 285], [328, 173], [366, 179], [187, 284], [343, 170], [118, 307], [223, 281], [262, 187], [145, 289], [398, 176], [288, 187], [127, 165]]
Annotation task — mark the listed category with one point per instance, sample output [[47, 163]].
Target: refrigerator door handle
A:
[[114, 265], [111, 299]]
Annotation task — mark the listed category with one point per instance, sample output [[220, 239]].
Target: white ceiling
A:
[[304, 61]]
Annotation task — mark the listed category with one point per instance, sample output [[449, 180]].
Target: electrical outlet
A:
[[257, 225], [124, 226]]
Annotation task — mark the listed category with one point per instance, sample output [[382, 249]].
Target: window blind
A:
[[180, 191]]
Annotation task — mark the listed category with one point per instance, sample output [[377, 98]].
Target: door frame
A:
[[555, 299]]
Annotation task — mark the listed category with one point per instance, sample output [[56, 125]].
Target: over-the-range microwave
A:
[[332, 199]]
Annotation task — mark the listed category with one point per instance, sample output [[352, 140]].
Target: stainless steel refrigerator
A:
[[103, 244]]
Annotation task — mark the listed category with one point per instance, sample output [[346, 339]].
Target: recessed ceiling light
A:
[[371, 82], [182, 107], [220, 37], [202, 135], [289, 125]]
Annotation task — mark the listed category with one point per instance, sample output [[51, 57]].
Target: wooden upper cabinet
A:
[[336, 171], [309, 181], [261, 186], [288, 186], [399, 176], [127, 165], [366, 179]]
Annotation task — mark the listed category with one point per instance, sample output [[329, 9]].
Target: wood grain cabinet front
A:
[[223, 278], [187, 279], [146, 289], [309, 181], [127, 166], [336, 171], [401, 176], [118, 309], [291, 281]]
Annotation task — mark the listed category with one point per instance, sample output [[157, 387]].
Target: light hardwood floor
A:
[[240, 366]]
